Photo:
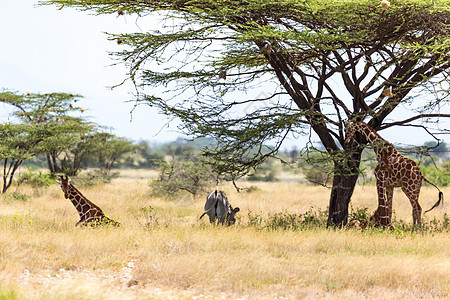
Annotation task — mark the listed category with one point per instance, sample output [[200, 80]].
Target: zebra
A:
[[217, 206]]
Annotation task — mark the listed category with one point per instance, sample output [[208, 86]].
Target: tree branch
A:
[[421, 116]]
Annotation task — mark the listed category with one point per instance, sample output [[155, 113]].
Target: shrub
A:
[[269, 177], [439, 176], [151, 220], [92, 178], [191, 177], [35, 179], [313, 218], [252, 188], [360, 214]]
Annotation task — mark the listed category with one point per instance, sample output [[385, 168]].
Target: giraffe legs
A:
[[389, 197], [413, 195], [384, 211]]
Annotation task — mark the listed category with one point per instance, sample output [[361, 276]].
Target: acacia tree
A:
[[18, 142], [193, 177], [108, 148], [52, 114], [331, 61]]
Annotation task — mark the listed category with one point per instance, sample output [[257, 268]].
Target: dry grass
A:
[[167, 253]]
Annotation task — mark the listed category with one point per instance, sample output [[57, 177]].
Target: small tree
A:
[[151, 158], [53, 112], [63, 151], [18, 142], [191, 177], [108, 148]]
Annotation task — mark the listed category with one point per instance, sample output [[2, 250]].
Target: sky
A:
[[45, 50], [49, 50]]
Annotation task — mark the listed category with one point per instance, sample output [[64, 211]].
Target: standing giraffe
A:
[[90, 214], [392, 170]]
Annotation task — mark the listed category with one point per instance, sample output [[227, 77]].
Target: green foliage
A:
[[269, 177], [92, 147], [151, 220], [92, 178], [18, 196], [8, 294], [317, 167], [35, 178], [70, 142], [106, 149], [313, 218], [360, 214], [434, 225], [18, 142], [308, 46], [439, 149], [437, 175], [252, 189], [144, 156], [316, 218], [52, 115]]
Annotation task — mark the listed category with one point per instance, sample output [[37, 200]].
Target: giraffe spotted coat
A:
[[393, 170], [90, 214]]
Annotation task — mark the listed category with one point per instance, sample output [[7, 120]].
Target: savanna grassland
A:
[[163, 251]]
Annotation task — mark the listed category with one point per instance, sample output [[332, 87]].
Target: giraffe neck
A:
[[369, 134], [81, 203], [373, 138]]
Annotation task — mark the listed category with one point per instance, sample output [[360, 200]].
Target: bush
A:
[[191, 177], [313, 218], [318, 175], [18, 196], [151, 220], [360, 214], [92, 178], [269, 177], [35, 179], [252, 189], [316, 218], [439, 176]]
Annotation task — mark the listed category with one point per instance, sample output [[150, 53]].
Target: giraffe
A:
[[90, 214], [393, 170]]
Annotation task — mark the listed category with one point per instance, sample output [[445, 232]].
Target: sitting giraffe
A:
[[392, 170], [90, 214]]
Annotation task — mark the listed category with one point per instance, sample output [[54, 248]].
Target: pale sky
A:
[[44, 50]]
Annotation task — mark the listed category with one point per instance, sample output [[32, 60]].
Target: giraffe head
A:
[[359, 126], [64, 183], [350, 130]]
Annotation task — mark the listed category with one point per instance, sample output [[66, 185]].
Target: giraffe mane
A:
[[86, 199], [367, 125]]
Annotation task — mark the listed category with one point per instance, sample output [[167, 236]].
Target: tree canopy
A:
[[52, 125]]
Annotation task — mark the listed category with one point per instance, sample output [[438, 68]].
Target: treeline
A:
[[130, 154], [313, 166], [50, 131]]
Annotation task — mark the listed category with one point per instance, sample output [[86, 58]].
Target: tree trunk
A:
[[8, 175], [52, 163], [346, 173], [49, 163]]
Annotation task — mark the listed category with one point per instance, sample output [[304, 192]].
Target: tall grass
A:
[[278, 248]]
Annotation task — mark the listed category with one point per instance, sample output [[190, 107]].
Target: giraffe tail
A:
[[441, 199]]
